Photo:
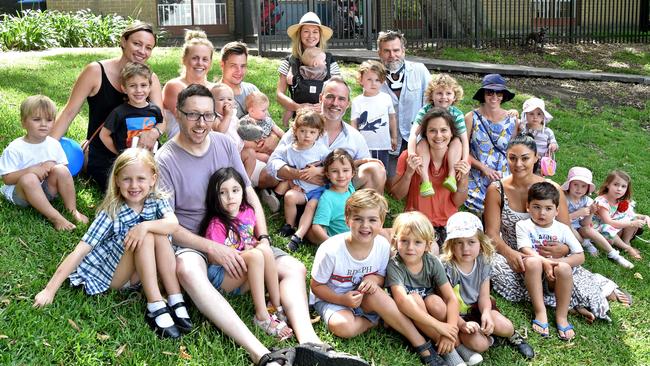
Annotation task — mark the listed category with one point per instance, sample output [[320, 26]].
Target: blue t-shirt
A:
[[331, 211]]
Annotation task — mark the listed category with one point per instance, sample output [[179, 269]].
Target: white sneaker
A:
[[589, 247], [453, 359], [616, 257], [470, 357], [270, 199]]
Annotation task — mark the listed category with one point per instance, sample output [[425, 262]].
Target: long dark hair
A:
[[214, 208], [527, 140]]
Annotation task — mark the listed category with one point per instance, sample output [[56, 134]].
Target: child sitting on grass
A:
[[348, 274], [34, 167]]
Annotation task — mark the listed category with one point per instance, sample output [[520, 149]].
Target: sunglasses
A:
[[489, 92]]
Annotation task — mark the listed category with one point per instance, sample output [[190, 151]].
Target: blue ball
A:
[[74, 154]]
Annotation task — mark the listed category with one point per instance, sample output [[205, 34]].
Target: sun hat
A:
[[581, 174], [532, 104], [310, 18], [463, 225], [494, 82]]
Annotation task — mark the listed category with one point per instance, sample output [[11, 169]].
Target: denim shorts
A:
[[315, 193], [381, 155], [216, 273], [327, 309], [19, 201]]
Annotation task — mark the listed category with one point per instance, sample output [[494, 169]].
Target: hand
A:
[[593, 208], [48, 165], [487, 323], [229, 109], [135, 236], [40, 171], [445, 345], [470, 327], [462, 168], [296, 188], [549, 269], [148, 138], [552, 148], [312, 174], [413, 163], [513, 113], [45, 297], [367, 287], [515, 260], [352, 299], [492, 174], [259, 144], [393, 143], [585, 211], [637, 223], [553, 249], [447, 330], [227, 257]]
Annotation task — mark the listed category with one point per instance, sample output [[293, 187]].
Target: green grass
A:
[[109, 329]]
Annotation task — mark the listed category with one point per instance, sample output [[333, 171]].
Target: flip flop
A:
[[544, 326], [564, 330]]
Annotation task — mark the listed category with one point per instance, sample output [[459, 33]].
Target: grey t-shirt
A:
[[468, 285], [186, 176], [424, 283], [246, 88]]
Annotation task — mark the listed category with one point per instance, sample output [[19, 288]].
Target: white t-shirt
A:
[[371, 114], [299, 159], [530, 235], [334, 266], [20, 154]]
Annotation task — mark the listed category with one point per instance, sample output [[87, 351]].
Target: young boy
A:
[[443, 91], [373, 113], [257, 105], [348, 274], [126, 121], [33, 167], [542, 273]]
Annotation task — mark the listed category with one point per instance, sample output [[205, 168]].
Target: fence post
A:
[[477, 41], [367, 23]]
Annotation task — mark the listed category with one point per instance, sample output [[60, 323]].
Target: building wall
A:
[[144, 10]]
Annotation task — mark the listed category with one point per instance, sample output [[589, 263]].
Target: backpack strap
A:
[[328, 62], [294, 66]]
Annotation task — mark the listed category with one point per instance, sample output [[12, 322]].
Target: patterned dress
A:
[[482, 149], [589, 289]]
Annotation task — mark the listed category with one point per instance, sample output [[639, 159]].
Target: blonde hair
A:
[[193, 38], [296, 43], [132, 69], [256, 97], [113, 198], [374, 66], [416, 224], [310, 54], [610, 178], [443, 81], [37, 104], [365, 199], [487, 248]]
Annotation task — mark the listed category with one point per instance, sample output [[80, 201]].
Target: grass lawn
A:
[[110, 329]]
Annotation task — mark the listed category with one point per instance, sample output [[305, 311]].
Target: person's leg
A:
[[271, 275], [619, 242], [248, 158], [371, 175], [145, 265], [266, 180], [292, 199], [590, 233], [192, 274], [563, 286], [422, 150], [166, 264], [29, 188], [293, 294], [59, 180], [533, 280], [382, 304], [502, 326], [306, 218], [346, 325], [454, 155]]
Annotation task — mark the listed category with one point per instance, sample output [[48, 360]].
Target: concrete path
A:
[[360, 55]]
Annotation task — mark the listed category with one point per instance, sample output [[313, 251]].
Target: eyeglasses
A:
[[193, 116], [489, 92]]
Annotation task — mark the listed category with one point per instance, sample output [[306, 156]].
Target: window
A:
[[191, 12]]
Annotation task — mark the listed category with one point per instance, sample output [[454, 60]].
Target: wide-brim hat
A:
[[580, 174], [534, 103], [463, 225], [494, 82], [310, 18]]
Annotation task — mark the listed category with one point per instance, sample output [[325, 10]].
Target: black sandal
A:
[[284, 356], [312, 354], [294, 243], [169, 332], [433, 359], [183, 324]]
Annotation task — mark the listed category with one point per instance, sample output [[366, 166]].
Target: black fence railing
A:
[[473, 23]]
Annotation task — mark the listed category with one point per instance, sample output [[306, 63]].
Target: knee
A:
[[60, 171], [254, 257], [29, 180], [341, 329], [563, 270], [436, 307], [533, 264], [184, 271]]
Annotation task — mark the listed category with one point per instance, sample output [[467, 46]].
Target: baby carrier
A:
[[306, 91]]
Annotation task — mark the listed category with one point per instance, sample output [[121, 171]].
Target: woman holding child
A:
[[505, 205], [99, 84]]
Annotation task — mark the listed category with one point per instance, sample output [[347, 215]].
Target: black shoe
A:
[[312, 354], [169, 332], [294, 243], [183, 324], [519, 343], [286, 230], [433, 359]]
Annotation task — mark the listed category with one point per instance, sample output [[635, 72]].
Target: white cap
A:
[[463, 225]]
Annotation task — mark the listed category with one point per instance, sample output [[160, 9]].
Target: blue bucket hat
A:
[[494, 82]]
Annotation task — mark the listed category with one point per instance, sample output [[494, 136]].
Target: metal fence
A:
[[473, 23]]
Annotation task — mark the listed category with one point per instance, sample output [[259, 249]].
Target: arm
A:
[[107, 140], [392, 125], [260, 220], [41, 170], [485, 306], [165, 226], [277, 131], [170, 94], [351, 298], [460, 196], [69, 264], [603, 213], [492, 217], [87, 84], [410, 308], [400, 188], [448, 296], [354, 123]]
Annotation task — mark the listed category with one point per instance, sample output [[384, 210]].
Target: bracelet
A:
[[157, 129], [264, 236]]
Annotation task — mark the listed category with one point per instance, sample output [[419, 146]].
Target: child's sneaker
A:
[[470, 357], [286, 230], [618, 258], [453, 359], [518, 342], [294, 243], [450, 184], [426, 189], [589, 247], [270, 199]]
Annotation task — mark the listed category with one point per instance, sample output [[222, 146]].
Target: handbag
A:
[[548, 165]]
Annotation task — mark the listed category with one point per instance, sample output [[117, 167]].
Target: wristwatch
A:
[[264, 236]]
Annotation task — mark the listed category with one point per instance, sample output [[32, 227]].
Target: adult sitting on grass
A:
[[99, 84], [186, 163], [438, 129]]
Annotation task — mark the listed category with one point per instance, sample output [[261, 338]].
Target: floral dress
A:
[[616, 213], [482, 149], [589, 289]]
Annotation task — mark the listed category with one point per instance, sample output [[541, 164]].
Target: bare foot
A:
[[79, 217], [633, 252], [588, 315], [621, 296], [63, 225]]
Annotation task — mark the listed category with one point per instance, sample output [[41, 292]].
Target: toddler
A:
[[534, 119], [577, 188], [443, 91], [123, 125], [313, 70], [467, 255], [34, 167], [128, 242], [257, 105], [545, 274], [373, 113]]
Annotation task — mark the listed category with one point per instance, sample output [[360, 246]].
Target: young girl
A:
[[534, 119], [230, 221], [329, 218], [615, 218], [306, 151], [467, 254], [577, 188], [417, 282], [125, 244], [443, 91]]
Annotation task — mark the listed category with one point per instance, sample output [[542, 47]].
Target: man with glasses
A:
[[186, 163], [406, 83]]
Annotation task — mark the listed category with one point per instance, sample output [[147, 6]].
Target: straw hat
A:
[[494, 82], [310, 18]]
